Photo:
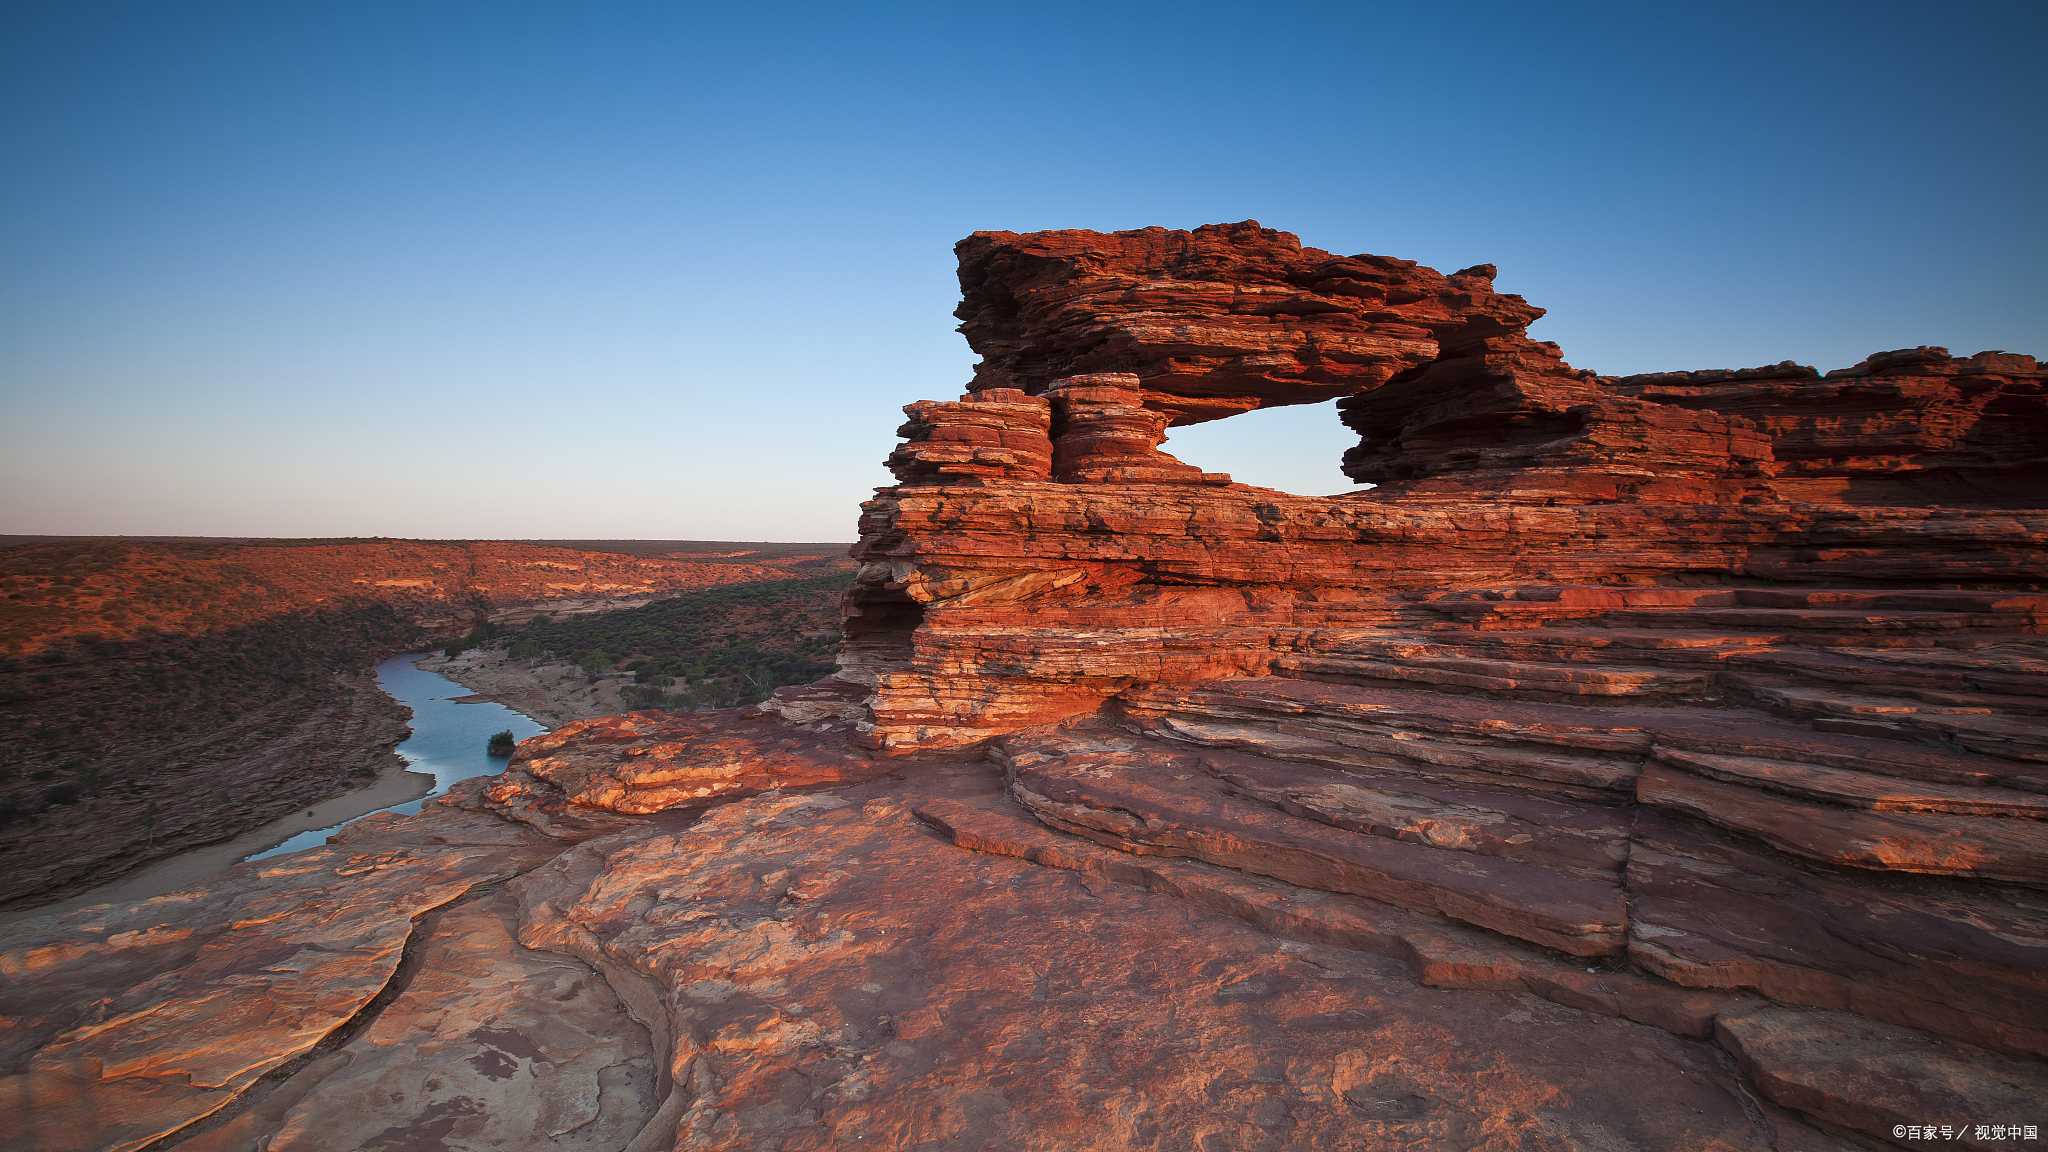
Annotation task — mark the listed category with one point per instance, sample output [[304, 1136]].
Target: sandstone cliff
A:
[[1648, 763]]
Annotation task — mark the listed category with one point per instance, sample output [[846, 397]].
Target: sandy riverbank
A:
[[394, 785], [553, 693]]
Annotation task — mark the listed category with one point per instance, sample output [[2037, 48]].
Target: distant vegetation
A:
[[713, 649], [55, 589], [477, 637], [502, 743]]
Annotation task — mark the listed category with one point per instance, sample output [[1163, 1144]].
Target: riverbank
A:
[[451, 736], [222, 768], [395, 784], [444, 742], [552, 692]]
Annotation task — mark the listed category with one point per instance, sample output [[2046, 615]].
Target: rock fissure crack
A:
[[401, 976]]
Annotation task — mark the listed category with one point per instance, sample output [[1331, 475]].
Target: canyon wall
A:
[[156, 696]]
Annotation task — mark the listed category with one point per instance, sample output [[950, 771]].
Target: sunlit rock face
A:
[[1042, 554], [1645, 763], [1220, 320]]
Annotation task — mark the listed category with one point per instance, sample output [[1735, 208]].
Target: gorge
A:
[[1646, 762], [160, 696]]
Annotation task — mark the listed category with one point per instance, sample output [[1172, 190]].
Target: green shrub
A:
[[639, 696], [691, 641], [501, 743], [478, 636]]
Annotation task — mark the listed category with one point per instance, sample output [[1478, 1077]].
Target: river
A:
[[448, 738]]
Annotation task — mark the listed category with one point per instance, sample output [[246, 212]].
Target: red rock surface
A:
[[1913, 426], [1505, 417], [1220, 320], [1645, 764], [1765, 642], [1000, 432], [127, 1024], [485, 1044], [647, 762], [1009, 1003]]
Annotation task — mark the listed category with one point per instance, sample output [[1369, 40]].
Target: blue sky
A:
[[669, 270]]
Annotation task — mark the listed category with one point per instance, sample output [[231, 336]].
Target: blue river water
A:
[[448, 738]]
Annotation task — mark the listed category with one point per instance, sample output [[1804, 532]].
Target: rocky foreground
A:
[[1656, 763], [924, 959]]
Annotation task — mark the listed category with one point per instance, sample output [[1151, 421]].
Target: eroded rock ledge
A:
[[1647, 763]]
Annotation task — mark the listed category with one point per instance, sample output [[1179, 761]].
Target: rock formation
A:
[[1221, 320], [1654, 762]]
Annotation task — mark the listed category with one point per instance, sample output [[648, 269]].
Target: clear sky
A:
[[669, 270]]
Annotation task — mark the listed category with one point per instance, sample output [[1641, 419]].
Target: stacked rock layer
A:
[[1655, 762], [1737, 676]]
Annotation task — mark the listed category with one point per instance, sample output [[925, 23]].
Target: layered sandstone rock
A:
[[820, 1001], [1591, 783], [129, 1024], [1220, 320], [1001, 433], [646, 762], [1914, 426], [1068, 594], [1760, 689], [483, 1044], [1505, 418]]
